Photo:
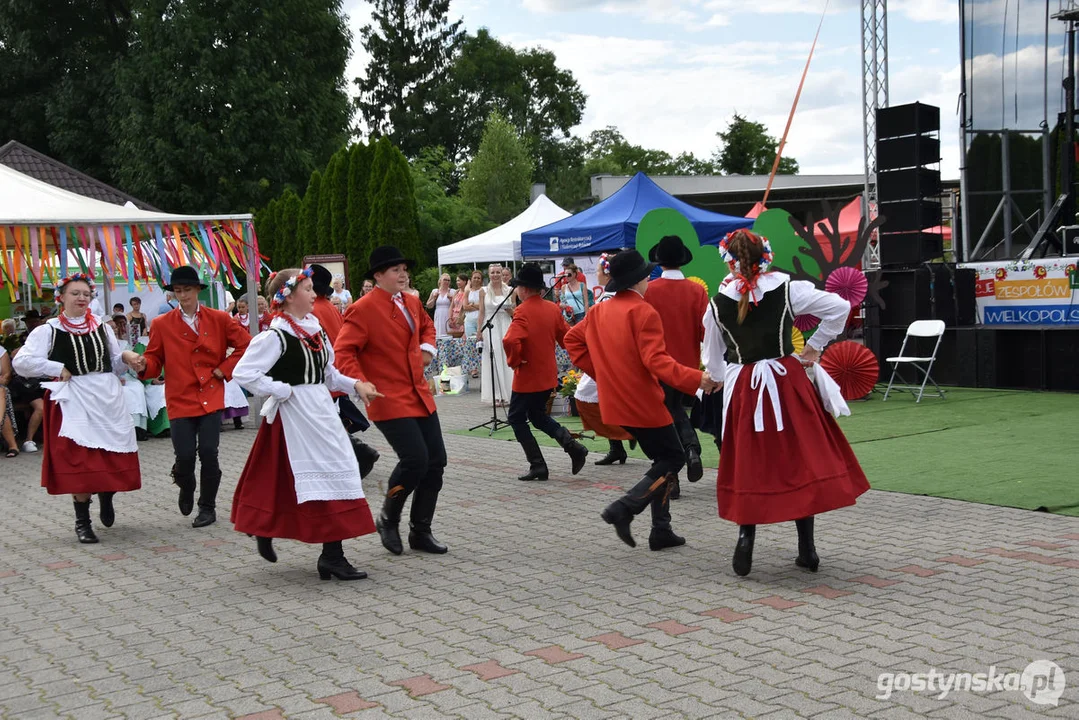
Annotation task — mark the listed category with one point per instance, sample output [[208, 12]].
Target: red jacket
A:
[[330, 318], [620, 344], [681, 305], [529, 343], [377, 346], [192, 390]]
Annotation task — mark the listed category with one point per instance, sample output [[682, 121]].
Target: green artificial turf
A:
[[1018, 449]]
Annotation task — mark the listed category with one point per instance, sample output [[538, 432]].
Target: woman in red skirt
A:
[[784, 457], [301, 480], [89, 435]]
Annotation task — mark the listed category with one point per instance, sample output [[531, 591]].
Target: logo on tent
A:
[[554, 243]]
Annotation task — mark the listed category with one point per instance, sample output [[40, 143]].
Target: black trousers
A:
[[662, 447], [421, 454], [677, 402], [196, 437], [530, 408]]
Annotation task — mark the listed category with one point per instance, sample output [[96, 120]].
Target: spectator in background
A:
[[337, 305], [7, 408], [507, 275], [341, 293], [138, 322], [367, 287], [169, 305], [264, 314]]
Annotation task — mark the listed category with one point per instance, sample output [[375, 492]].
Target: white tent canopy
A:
[[502, 243], [27, 201]]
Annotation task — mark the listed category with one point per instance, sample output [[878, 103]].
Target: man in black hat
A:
[[193, 341], [387, 340], [620, 344], [329, 317], [681, 305], [530, 350]]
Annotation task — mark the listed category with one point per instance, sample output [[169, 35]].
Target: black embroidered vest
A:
[[766, 332], [82, 354], [299, 364]]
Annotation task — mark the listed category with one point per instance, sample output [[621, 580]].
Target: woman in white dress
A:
[[490, 298], [441, 299], [473, 304]]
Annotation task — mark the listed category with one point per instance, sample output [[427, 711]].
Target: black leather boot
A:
[[84, 530], [366, 456], [389, 519], [420, 518], [186, 483], [106, 510], [209, 484], [620, 513], [617, 454], [662, 536], [238, 423], [694, 466], [675, 488], [743, 549], [265, 547], [332, 563], [807, 553], [577, 452], [537, 466]]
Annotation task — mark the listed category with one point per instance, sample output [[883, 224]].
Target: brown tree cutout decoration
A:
[[831, 251]]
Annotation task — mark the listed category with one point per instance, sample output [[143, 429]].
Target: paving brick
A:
[[554, 655], [673, 627], [776, 602], [727, 615]]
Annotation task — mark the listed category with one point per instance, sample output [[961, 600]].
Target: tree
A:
[[266, 229], [325, 214], [500, 176], [339, 202], [308, 222], [382, 157], [393, 215], [218, 106], [748, 149], [441, 219], [410, 43], [287, 243], [359, 212]]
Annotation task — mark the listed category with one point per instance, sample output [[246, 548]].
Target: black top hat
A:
[[321, 280], [31, 314], [383, 257], [530, 276], [670, 252], [627, 269], [185, 275]]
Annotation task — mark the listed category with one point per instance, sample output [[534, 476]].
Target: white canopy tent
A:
[[503, 243]]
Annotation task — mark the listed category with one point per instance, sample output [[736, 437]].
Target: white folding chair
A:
[[924, 365]]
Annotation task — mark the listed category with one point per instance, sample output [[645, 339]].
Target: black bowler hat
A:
[[670, 252], [383, 257], [627, 269], [530, 276], [185, 275], [321, 280]]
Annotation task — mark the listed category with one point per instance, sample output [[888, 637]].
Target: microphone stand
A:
[[494, 424]]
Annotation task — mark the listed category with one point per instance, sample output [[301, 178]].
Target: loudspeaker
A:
[[909, 215], [909, 249], [1070, 239], [934, 291], [986, 341], [1020, 359], [1062, 359], [910, 184], [906, 152], [906, 298], [912, 119]]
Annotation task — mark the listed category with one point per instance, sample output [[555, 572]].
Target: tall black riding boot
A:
[[617, 454], [662, 536], [743, 550], [105, 508], [366, 455], [332, 563], [807, 553], [186, 483], [265, 548], [577, 452], [390, 518], [209, 483], [420, 518], [84, 531], [537, 466], [620, 513]]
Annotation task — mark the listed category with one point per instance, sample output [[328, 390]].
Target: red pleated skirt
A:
[[68, 468], [771, 476], [592, 420], [265, 501]]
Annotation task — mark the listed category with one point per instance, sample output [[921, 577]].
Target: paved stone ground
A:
[[537, 612]]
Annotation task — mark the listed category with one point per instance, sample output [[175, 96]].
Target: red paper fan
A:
[[806, 322], [848, 283], [854, 368]]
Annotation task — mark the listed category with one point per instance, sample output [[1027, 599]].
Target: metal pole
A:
[[1006, 189], [963, 214], [252, 284], [1068, 158]]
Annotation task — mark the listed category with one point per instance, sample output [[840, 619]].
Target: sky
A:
[[669, 74]]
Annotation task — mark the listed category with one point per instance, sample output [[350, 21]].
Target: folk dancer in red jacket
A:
[[681, 305], [331, 320], [89, 434], [192, 342], [530, 350], [300, 481], [784, 457], [388, 339], [620, 344]]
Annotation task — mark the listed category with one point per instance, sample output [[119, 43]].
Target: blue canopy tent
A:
[[612, 224]]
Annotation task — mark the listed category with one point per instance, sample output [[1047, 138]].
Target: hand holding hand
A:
[[367, 392], [218, 374], [708, 385]]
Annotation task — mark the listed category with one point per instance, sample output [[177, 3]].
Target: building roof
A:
[[41, 167]]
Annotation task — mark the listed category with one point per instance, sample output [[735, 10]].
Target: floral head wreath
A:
[[736, 267], [74, 277], [288, 286], [605, 263]]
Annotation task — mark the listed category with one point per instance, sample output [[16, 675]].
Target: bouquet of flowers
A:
[[569, 382]]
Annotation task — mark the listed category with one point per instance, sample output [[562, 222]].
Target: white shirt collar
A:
[[767, 281], [673, 275], [192, 315]]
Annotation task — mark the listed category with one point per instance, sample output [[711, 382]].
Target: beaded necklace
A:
[[312, 341]]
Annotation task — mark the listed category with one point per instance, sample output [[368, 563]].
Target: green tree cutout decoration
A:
[[775, 224], [707, 265]]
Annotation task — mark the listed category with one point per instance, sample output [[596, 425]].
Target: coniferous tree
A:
[[359, 211], [324, 235], [393, 215], [287, 242], [266, 230], [500, 176], [308, 223], [339, 202]]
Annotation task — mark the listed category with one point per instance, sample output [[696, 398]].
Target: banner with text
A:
[[1027, 292]]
